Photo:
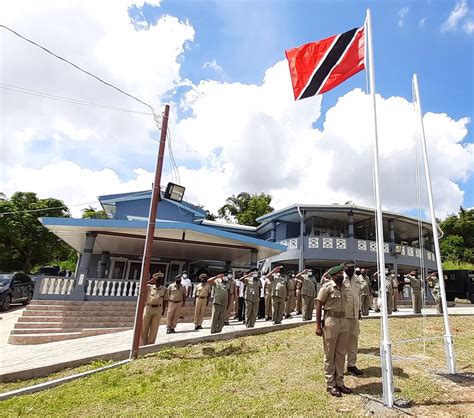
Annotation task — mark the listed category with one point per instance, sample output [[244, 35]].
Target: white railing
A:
[[56, 285], [290, 243], [112, 288]]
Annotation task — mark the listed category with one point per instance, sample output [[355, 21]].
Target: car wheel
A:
[[6, 302], [28, 300]]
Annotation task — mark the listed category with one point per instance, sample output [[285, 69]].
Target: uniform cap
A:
[[158, 275], [203, 276], [335, 269], [357, 269]]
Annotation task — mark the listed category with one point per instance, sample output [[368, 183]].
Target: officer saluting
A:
[[220, 302], [335, 331], [154, 309]]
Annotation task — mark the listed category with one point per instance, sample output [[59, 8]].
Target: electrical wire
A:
[[77, 67], [23, 90]]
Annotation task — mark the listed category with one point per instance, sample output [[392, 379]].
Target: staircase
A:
[[45, 321]]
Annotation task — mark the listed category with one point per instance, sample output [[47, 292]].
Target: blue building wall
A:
[[141, 207]]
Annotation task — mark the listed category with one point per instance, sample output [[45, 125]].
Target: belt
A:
[[154, 306], [202, 297], [176, 301], [335, 314]]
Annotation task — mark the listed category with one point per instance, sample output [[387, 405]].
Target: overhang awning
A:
[[178, 240]]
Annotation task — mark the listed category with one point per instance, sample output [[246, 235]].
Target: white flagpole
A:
[[448, 339], [385, 347]]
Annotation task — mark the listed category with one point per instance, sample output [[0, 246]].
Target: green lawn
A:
[[273, 374]]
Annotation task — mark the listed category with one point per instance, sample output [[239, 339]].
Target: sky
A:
[[234, 123]]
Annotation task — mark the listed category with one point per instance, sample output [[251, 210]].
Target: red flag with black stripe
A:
[[318, 67]]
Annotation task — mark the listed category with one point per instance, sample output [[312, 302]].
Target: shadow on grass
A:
[[462, 379], [370, 372], [208, 352], [369, 350], [445, 403]]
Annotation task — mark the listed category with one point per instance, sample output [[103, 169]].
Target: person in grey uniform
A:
[[220, 302]]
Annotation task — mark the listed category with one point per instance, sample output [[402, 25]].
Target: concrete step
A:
[[75, 314], [62, 330], [71, 325], [81, 303], [81, 308], [70, 320]]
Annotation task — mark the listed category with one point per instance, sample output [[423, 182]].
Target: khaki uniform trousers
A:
[[438, 303], [278, 307], [416, 300], [201, 303], [299, 301], [251, 311], [231, 308], [290, 303], [150, 324], [174, 308], [389, 302], [268, 306], [308, 307], [365, 304], [395, 299], [218, 318], [335, 340], [352, 341]]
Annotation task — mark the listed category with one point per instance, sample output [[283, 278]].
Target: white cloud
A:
[[422, 22], [213, 65], [460, 13], [401, 14]]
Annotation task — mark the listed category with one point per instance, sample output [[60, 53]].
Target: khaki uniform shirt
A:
[[279, 286], [291, 286], [415, 282], [203, 290], [364, 285], [252, 289], [232, 286], [308, 287], [352, 290], [156, 294], [333, 298], [221, 292], [176, 293]]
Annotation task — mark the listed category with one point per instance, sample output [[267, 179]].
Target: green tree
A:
[[457, 244], [24, 241], [245, 208], [91, 213]]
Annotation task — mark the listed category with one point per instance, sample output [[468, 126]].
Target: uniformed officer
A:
[[388, 291], [220, 302], [202, 294], [415, 284], [334, 330], [299, 299], [291, 301], [154, 309], [434, 284], [279, 293], [364, 290], [252, 297], [374, 285], [233, 296], [352, 287], [308, 292], [394, 291], [268, 299], [177, 298]]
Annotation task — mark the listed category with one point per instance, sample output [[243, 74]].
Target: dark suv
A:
[[15, 288]]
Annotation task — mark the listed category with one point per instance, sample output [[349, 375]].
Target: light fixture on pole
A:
[[174, 192]]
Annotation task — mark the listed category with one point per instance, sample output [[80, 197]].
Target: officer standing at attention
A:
[[177, 298], [290, 303], [279, 293], [201, 300], [299, 299], [308, 292], [415, 283], [334, 330], [154, 309], [268, 298], [252, 297], [233, 296], [221, 301], [434, 284], [352, 288], [364, 291], [394, 280]]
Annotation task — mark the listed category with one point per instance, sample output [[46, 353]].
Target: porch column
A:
[[227, 265], [301, 260], [78, 292], [103, 264], [273, 232], [391, 229], [350, 224], [253, 258]]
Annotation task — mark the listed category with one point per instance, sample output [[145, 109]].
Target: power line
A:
[[77, 67], [23, 90]]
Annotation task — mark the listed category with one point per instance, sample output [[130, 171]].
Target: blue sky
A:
[[233, 110], [245, 38]]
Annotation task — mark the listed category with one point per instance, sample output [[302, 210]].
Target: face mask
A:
[[277, 274], [349, 272], [310, 273], [358, 273], [225, 278], [203, 280], [229, 276], [255, 275], [185, 276], [178, 282], [339, 280]]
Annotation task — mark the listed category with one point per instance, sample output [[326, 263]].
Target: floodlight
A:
[[174, 192]]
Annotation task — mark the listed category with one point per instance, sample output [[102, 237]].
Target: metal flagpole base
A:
[[449, 350], [387, 376]]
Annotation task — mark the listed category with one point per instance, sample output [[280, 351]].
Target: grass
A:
[[273, 374], [457, 265]]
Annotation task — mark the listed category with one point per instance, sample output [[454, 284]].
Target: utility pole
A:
[[147, 252]]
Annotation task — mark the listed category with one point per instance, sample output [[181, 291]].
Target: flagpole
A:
[[448, 339], [385, 347]]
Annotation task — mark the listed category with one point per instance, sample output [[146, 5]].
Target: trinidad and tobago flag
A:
[[317, 67]]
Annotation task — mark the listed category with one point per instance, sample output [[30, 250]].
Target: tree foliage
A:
[[91, 213], [24, 241], [457, 244], [245, 208]]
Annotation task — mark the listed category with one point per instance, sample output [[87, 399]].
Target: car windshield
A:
[[5, 279]]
